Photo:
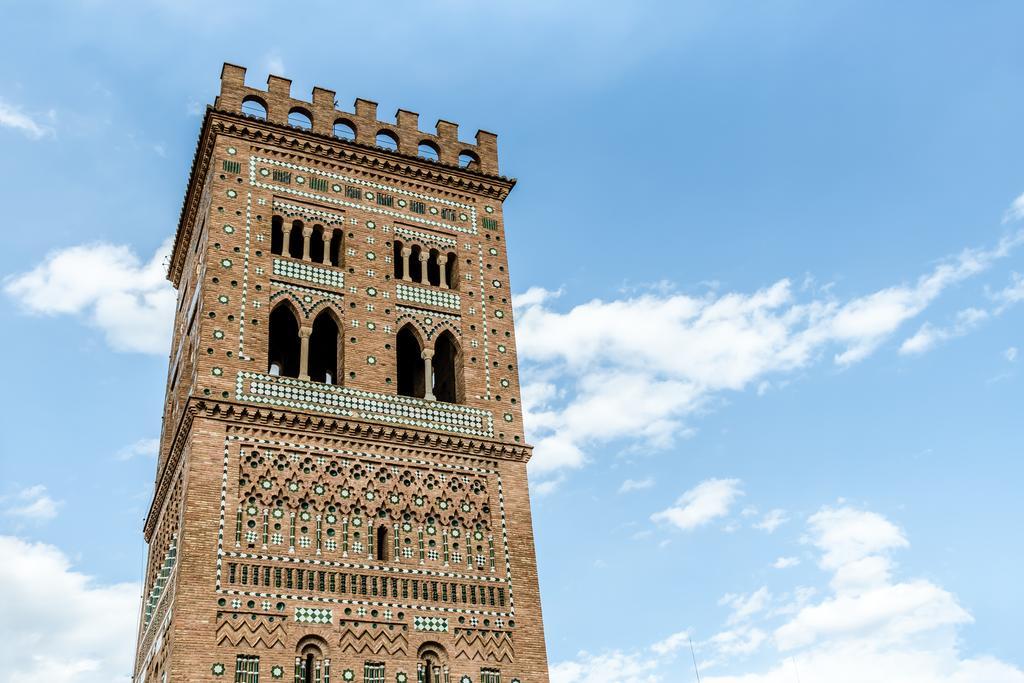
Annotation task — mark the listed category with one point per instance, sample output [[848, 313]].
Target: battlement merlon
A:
[[323, 113]]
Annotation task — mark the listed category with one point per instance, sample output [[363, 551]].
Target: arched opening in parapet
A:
[[277, 235], [468, 160], [344, 129], [254, 107], [295, 240], [409, 362], [447, 365], [325, 349], [387, 140], [300, 118], [283, 341], [428, 150]]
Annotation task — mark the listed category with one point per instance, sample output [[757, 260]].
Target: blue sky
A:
[[769, 313]]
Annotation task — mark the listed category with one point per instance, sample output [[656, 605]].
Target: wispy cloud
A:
[[702, 504], [785, 562], [1010, 354], [772, 520], [630, 485], [15, 118], [146, 448], [638, 368], [33, 503]]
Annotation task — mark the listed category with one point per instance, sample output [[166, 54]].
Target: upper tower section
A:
[[334, 265]]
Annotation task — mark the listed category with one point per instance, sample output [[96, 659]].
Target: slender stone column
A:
[[442, 263], [428, 374], [424, 260], [327, 234], [304, 352], [406, 253], [306, 234]]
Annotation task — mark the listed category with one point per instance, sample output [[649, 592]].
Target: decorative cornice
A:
[[370, 157], [355, 434]]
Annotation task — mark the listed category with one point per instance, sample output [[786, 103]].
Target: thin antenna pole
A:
[[795, 668], [694, 655]]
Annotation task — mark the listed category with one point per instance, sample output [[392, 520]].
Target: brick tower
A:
[[341, 492]]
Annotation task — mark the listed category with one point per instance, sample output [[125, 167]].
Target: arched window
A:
[[325, 359], [415, 265], [295, 240], [433, 268], [428, 150], [451, 277], [300, 118], [283, 342], [254, 107], [311, 663], [447, 365], [468, 159], [344, 129], [382, 542], [277, 235], [387, 140], [409, 365], [432, 666], [335, 256], [316, 245]]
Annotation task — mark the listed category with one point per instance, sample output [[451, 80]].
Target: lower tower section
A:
[[319, 557]]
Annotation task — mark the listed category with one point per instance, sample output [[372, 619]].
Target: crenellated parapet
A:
[[276, 105]]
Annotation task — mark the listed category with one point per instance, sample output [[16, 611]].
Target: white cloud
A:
[[786, 562], [928, 336], [1010, 354], [637, 368], [868, 627], [631, 485], [130, 302], [672, 643], [703, 503], [1016, 210], [745, 606], [772, 520], [33, 503], [13, 117], [146, 448], [548, 486], [610, 667], [846, 534], [59, 625]]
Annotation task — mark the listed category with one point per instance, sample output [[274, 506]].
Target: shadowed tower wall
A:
[[341, 493]]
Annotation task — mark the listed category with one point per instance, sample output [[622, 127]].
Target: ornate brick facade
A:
[[341, 492]]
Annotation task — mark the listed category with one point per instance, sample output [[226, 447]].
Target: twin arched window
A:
[[433, 374], [313, 353]]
